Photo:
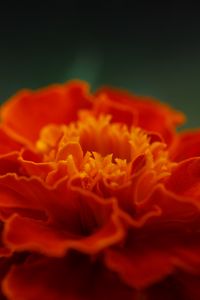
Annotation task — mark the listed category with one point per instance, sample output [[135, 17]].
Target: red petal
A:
[[32, 165], [9, 163], [72, 278], [21, 192], [139, 268], [118, 111], [149, 113], [185, 180], [164, 242], [7, 144], [27, 112], [87, 223], [186, 146]]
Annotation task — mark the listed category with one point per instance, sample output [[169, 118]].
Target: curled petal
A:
[[32, 165], [139, 268], [77, 219], [173, 206], [9, 163], [58, 174], [188, 174], [166, 241], [27, 112], [91, 225], [21, 192], [149, 113], [118, 111]]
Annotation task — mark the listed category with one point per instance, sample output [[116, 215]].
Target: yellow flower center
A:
[[95, 149]]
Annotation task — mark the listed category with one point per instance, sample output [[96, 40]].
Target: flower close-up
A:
[[99, 197]]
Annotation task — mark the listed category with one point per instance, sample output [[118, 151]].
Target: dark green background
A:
[[147, 51]]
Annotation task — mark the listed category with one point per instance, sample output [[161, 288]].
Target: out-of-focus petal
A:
[[188, 185], [148, 113], [189, 286], [7, 144], [179, 286], [28, 111], [168, 289], [186, 145], [74, 277], [91, 225], [9, 163], [21, 192], [165, 242]]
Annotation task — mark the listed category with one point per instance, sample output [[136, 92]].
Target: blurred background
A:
[[147, 50]]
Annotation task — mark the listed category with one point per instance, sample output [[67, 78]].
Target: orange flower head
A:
[[99, 197]]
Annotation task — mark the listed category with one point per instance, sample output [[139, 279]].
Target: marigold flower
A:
[[99, 197]]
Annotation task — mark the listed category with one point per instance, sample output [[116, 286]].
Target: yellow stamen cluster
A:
[[95, 149]]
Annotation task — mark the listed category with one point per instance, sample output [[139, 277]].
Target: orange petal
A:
[[91, 225], [149, 113], [33, 166], [28, 111], [71, 148], [58, 174]]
